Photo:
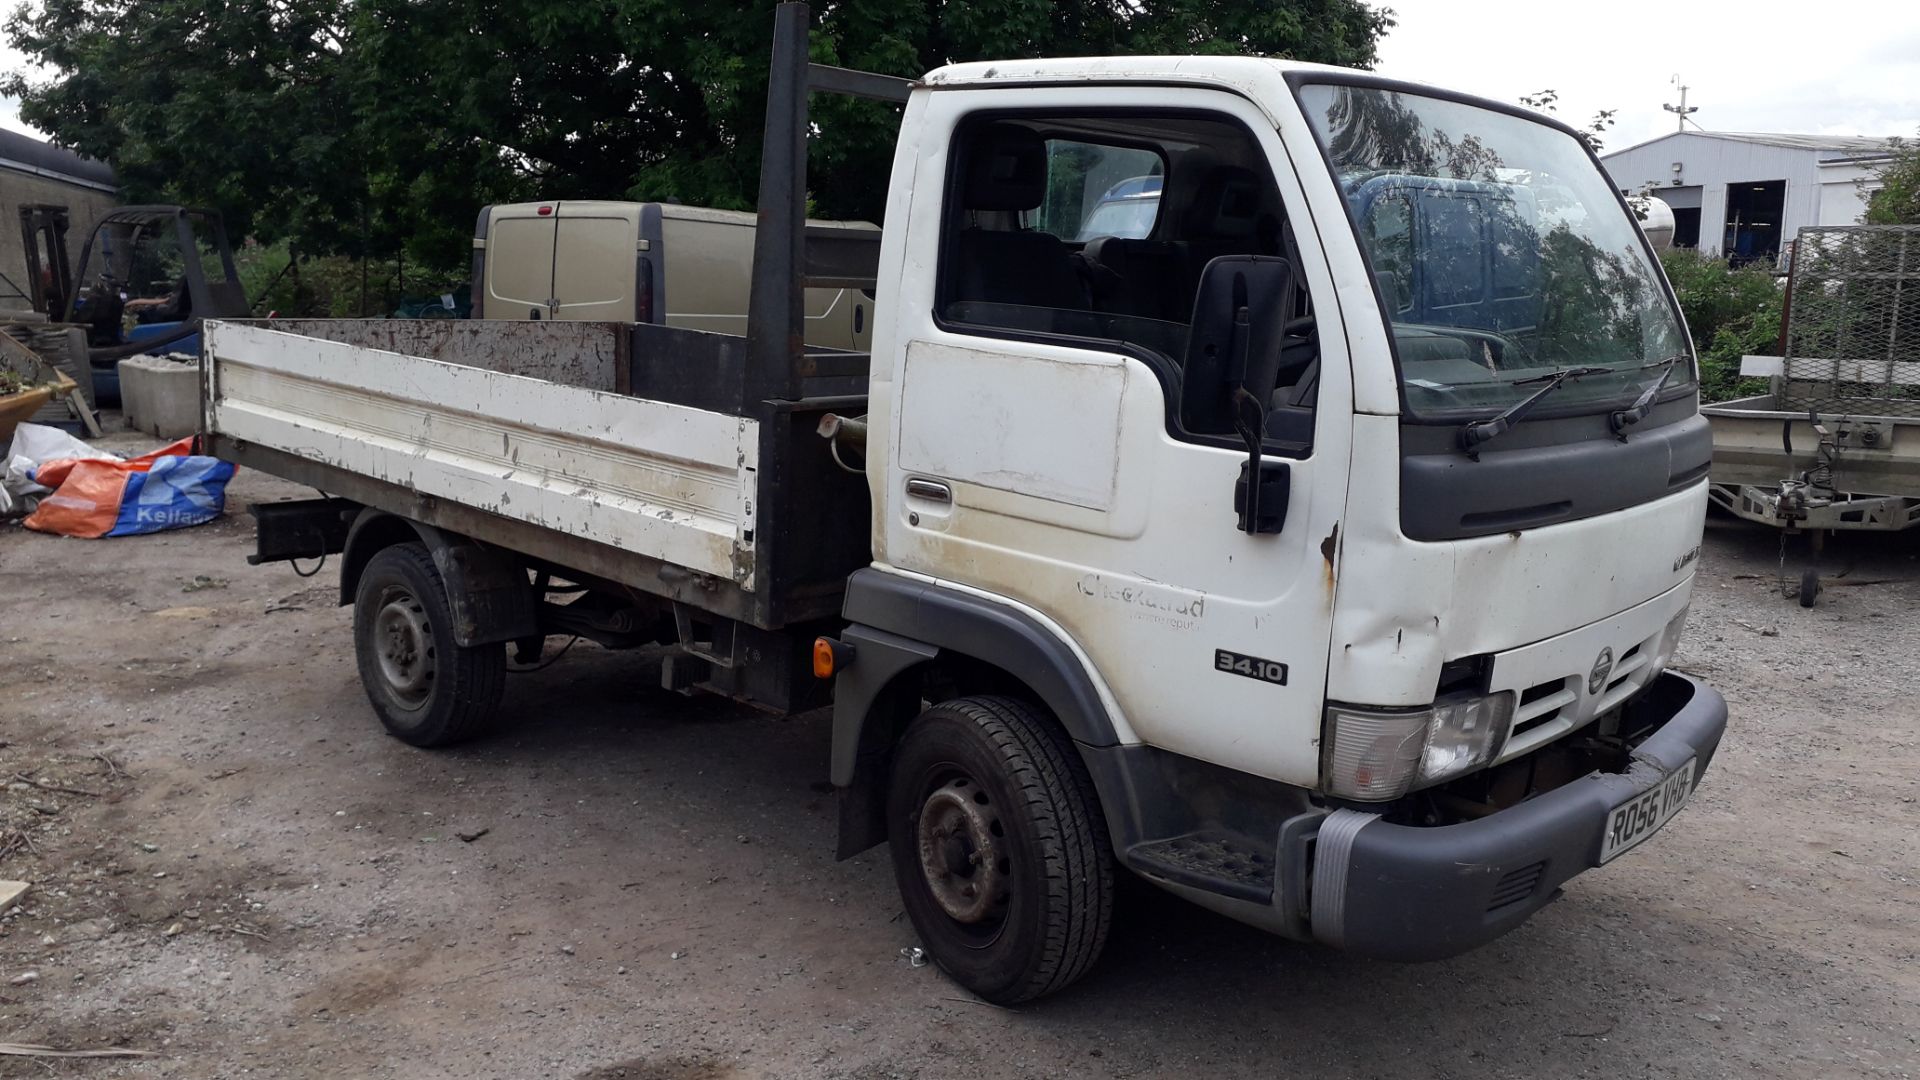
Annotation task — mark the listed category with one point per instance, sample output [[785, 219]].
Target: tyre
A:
[[999, 847], [426, 689], [1809, 587]]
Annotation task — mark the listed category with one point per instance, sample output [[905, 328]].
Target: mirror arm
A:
[[1252, 433], [1250, 420]]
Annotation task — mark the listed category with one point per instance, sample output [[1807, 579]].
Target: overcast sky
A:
[[9, 107], [1832, 67]]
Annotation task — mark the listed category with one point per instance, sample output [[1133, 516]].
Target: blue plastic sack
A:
[[175, 493]]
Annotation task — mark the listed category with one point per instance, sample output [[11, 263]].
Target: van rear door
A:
[[596, 261], [519, 262]]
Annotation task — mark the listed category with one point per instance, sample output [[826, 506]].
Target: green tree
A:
[[1731, 312], [1897, 202], [362, 126], [1548, 101]]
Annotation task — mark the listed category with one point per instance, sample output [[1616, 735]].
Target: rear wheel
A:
[[427, 689], [999, 848]]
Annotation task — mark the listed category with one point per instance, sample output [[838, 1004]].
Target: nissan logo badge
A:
[[1602, 667]]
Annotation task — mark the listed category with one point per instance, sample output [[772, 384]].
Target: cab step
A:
[[1220, 862]]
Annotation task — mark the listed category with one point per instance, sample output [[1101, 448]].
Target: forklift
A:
[[126, 270]]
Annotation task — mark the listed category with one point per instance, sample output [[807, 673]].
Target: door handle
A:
[[931, 490]]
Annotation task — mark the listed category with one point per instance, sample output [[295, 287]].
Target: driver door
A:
[[1038, 454]]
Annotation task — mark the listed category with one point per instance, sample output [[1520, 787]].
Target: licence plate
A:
[[1642, 816]]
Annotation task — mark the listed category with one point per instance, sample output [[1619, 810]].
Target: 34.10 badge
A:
[[1253, 667]]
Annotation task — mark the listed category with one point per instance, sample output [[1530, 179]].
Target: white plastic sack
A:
[[40, 443], [33, 446]]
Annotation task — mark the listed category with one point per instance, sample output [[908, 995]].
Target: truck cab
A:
[[1399, 705]]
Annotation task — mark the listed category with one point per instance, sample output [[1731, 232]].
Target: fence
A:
[[1852, 339]]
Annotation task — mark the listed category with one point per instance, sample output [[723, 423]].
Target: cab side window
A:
[[1100, 228]]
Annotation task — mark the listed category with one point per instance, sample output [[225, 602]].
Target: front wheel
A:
[[427, 689], [999, 848]]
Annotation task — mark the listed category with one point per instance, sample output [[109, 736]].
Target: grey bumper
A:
[[1406, 893]]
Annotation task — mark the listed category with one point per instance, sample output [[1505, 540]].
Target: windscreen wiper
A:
[[1476, 433], [1622, 419]]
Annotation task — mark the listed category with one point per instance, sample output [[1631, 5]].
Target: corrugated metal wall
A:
[[1815, 194]]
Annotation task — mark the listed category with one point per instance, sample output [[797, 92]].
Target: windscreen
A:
[[1500, 251]]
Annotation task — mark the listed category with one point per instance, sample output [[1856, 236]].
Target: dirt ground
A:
[[256, 881]]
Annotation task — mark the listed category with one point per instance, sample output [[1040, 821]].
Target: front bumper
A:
[[1407, 893]]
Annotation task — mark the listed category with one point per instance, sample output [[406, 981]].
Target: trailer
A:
[[1317, 551], [1834, 445]]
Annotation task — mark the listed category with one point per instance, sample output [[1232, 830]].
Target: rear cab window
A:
[[1099, 189]]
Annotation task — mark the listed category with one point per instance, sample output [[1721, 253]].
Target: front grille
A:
[[1545, 713], [1630, 673], [1541, 705], [1550, 709], [1516, 886]]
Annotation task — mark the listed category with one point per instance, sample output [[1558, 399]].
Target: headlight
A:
[[1374, 756], [1464, 735]]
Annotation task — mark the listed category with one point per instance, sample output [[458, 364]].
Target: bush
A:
[[1897, 202], [1730, 313], [330, 287]]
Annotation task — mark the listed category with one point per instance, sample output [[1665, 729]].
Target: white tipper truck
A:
[[1318, 555]]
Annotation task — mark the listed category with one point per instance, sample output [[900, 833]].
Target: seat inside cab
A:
[[998, 256], [1102, 226]]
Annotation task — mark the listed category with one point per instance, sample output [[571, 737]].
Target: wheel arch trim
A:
[[899, 624], [487, 588]]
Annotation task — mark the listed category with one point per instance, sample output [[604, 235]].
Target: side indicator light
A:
[[829, 656]]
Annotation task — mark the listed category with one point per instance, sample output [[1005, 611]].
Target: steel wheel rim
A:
[[963, 857], [403, 645]]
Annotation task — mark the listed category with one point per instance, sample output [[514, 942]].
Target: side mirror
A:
[[1239, 325], [1233, 361]]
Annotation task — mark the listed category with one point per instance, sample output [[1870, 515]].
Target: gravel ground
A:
[[257, 882]]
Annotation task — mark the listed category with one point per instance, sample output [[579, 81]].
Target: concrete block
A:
[[160, 396], [10, 894]]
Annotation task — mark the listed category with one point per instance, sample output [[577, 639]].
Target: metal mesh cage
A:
[[1853, 321]]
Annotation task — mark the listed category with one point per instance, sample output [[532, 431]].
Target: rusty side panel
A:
[[603, 563], [590, 355], [674, 482]]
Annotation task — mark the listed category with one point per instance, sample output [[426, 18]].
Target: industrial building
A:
[[1746, 195], [45, 192]]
